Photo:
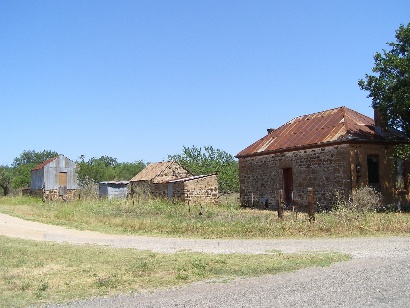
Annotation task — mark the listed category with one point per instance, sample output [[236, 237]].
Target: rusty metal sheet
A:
[[327, 126]]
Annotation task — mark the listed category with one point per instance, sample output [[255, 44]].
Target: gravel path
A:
[[378, 275]]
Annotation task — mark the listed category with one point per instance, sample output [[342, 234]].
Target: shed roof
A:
[[115, 182], [339, 124], [151, 171], [191, 178], [44, 163]]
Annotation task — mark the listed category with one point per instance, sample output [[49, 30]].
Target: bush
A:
[[364, 199]]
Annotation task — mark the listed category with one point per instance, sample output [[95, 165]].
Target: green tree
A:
[[106, 168], [209, 160], [389, 88], [24, 163], [6, 176], [126, 171], [33, 158]]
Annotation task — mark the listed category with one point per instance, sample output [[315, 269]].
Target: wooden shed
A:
[[54, 178], [113, 189]]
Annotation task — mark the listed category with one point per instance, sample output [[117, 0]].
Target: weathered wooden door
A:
[[62, 181], [287, 185]]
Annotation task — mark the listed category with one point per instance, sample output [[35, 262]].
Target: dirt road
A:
[[19, 228], [378, 275]]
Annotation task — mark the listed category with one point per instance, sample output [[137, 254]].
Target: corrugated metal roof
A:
[[44, 163], [337, 124], [195, 177], [115, 182], [151, 171]]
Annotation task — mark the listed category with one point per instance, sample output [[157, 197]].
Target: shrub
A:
[[364, 199]]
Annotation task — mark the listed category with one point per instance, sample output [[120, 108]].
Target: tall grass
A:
[[228, 220]]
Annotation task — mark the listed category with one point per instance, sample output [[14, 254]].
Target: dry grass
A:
[[228, 220], [36, 273]]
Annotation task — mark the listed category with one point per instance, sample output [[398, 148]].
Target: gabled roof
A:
[[335, 125], [44, 163], [151, 171]]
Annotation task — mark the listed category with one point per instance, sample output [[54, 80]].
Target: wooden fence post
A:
[[311, 205], [280, 206]]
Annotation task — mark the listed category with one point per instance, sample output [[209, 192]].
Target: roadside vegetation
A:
[[155, 217]]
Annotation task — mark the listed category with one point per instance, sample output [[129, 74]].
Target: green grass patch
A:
[[34, 273], [228, 220]]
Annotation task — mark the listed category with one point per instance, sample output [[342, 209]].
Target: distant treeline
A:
[[195, 159]]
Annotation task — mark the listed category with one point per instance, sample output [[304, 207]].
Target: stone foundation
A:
[[53, 194]]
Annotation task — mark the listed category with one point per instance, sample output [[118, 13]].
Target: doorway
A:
[[287, 185]]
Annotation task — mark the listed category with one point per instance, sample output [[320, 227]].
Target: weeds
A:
[[349, 217]]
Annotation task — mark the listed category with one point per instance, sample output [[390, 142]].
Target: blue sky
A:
[[138, 80]]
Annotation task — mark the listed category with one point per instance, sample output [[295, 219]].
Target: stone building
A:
[[170, 180], [54, 178], [334, 151], [195, 189]]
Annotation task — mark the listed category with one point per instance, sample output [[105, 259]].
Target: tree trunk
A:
[[5, 189]]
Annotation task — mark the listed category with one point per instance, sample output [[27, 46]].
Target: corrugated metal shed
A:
[[113, 189], [54, 173], [334, 125]]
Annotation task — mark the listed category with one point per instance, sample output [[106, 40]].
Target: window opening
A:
[[373, 170], [400, 174]]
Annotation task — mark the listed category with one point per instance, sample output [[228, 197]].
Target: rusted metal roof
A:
[[151, 171], [44, 163], [339, 124]]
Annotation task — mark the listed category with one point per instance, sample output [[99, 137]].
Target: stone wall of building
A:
[[198, 190], [323, 169], [202, 190], [148, 189], [328, 170], [388, 186]]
